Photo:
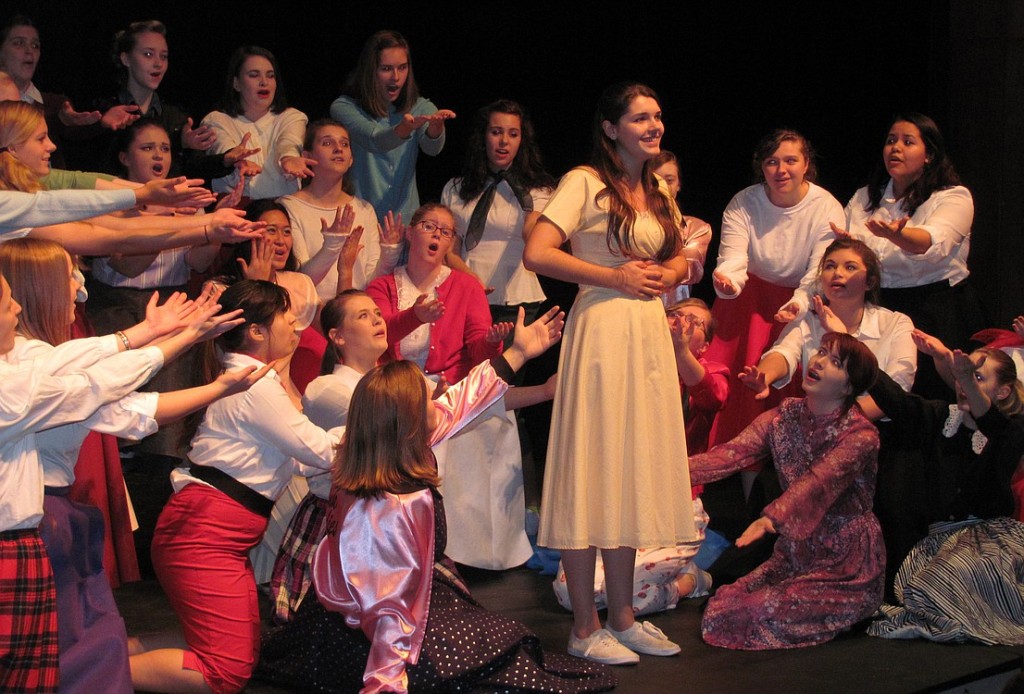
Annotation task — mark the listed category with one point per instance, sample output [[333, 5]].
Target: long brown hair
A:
[[387, 445], [37, 271], [18, 121], [605, 160]]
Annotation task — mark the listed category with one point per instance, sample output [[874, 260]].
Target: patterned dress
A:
[[827, 570]]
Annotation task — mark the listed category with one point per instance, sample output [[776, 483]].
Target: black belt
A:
[[223, 482]]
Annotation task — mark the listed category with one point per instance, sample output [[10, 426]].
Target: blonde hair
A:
[[37, 271], [18, 121], [387, 445], [1006, 375]]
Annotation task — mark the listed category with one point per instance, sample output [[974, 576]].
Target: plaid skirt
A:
[[28, 615], [290, 579]]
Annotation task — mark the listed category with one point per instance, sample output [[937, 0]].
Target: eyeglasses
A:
[[689, 319], [429, 227]]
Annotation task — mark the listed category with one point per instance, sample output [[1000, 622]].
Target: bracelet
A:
[[124, 340], [206, 232]]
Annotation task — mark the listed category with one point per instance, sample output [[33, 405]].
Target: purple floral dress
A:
[[828, 567]]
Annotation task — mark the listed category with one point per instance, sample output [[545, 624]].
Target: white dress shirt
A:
[[253, 436], [946, 215], [34, 398]]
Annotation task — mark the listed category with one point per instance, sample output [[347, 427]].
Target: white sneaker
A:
[[602, 647], [644, 637]]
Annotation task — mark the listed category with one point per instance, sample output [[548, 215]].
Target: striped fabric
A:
[[964, 582], [28, 615], [291, 578]]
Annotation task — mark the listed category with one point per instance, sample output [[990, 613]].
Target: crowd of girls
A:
[[358, 358]]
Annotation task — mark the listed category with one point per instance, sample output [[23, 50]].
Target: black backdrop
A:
[[726, 72]]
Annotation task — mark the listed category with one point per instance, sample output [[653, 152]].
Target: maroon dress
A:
[[828, 567]]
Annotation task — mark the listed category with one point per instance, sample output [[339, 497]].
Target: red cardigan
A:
[[458, 340]]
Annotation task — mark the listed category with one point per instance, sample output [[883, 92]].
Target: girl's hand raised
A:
[[393, 230], [840, 232], [260, 264], [755, 531], [498, 332], [534, 339], [298, 167], [753, 378], [829, 320]]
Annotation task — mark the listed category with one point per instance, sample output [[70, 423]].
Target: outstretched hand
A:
[[260, 265], [427, 311], [174, 192], [724, 285], [754, 379], [240, 380], [393, 230], [840, 232], [787, 313], [932, 346], [199, 139], [497, 333], [534, 339], [886, 230], [70, 117]]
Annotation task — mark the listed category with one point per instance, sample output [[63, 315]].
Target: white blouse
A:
[[317, 253], [498, 259], [253, 436], [886, 333], [64, 386], [277, 135], [326, 404], [132, 417], [946, 215], [781, 245]]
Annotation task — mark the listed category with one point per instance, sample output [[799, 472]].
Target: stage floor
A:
[[851, 663]]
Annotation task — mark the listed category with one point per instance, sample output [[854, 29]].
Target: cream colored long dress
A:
[[616, 472]]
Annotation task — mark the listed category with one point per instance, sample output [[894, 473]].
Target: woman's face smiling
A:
[[392, 72], [148, 156], [637, 134], [278, 233], [256, 84], [35, 151], [146, 61]]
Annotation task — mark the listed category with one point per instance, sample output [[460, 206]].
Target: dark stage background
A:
[[726, 72]]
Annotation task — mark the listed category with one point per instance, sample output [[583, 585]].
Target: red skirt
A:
[[746, 329], [29, 655], [201, 556]]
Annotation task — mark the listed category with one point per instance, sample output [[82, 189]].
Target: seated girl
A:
[[393, 613], [962, 580], [827, 570]]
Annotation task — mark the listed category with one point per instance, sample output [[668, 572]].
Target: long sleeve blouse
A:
[[458, 340], [781, 245], [383, 587], [384, 169], [255, 435], [33, 398]]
